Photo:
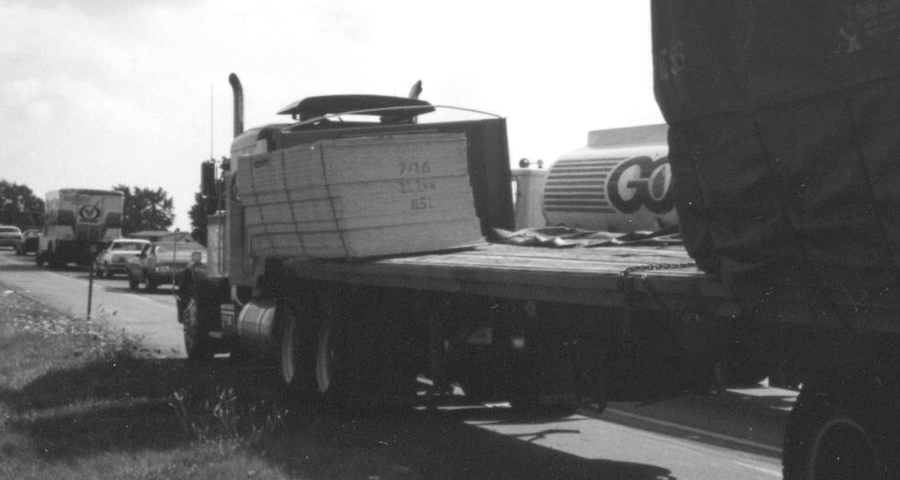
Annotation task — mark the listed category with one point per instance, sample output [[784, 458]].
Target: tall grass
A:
[[222, 421], [86, 401]]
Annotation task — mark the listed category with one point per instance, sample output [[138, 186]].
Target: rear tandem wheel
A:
[[846, 427]]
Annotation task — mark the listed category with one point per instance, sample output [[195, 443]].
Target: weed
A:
[[222, 420]]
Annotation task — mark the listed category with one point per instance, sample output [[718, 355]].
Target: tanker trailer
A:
[[619, 182]]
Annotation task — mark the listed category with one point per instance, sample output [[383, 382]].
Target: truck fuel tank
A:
[[256, 328]]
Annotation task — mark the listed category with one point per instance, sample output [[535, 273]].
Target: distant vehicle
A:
[[114, 258], [29, 242], [77, 222], [162, 263], [10, 236]]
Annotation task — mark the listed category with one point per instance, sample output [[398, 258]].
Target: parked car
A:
[[162, 263], [114, 258], [29, 242], [10, 236]]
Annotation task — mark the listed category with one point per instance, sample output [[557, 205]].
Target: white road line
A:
[[767, 471], [698, 431]]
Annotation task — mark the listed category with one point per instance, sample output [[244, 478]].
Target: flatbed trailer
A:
[[539, 327], [533, 325], [595, 276]]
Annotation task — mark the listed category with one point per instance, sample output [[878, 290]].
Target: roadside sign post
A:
[[95, 249]]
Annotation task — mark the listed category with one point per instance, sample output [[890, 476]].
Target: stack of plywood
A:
[[359, 197]]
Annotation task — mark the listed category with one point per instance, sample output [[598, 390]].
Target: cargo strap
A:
[[294, 219], [334, 214]]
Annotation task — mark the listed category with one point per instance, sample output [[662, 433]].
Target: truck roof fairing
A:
[[387, 107]]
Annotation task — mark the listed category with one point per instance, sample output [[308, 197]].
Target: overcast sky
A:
[[95, 93]]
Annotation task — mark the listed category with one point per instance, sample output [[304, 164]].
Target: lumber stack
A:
[[359, 197]]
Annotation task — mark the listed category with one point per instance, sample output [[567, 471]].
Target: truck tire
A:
[[335, 363], [150, 286], [197, 344], [133, 283], [845, 427], [357, 368], [297, 361], [55, 262]]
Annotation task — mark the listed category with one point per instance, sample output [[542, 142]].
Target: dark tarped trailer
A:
[[785, 146]]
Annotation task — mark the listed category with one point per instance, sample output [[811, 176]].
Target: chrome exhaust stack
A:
[[238, 92]]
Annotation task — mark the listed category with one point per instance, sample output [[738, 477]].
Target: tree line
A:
[[144, 208]]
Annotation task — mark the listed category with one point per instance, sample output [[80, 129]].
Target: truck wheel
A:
[[55, 262], [39, 260], [333, 364], [150, 285], [296, 362], [847, 427], [197, 344], [133, 283], [360, 365]]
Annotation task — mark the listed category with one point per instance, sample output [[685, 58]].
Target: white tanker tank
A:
[[620, 182]]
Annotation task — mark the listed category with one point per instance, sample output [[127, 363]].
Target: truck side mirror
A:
[[208, 186], [208, 179]]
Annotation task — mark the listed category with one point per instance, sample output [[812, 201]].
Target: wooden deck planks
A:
[[583, 276]]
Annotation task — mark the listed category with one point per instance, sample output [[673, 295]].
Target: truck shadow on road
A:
[[133, 405]]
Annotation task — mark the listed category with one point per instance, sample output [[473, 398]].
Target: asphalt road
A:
[[735, 435], [149, 316]]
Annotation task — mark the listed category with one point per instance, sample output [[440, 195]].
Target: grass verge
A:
[[82, 401]]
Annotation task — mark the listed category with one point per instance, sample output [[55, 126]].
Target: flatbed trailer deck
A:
[[590, 276]]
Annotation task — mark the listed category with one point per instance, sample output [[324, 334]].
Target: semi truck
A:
[[547, 329], [77, 222]]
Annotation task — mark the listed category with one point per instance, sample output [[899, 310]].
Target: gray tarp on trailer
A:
[[785, 146]]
